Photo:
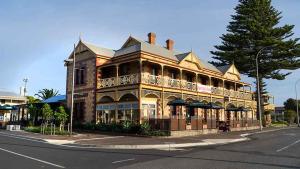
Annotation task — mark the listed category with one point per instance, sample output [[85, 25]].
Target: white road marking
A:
[[288, 146], [120, 161], [22, 137], [101, 138], [35, 159]]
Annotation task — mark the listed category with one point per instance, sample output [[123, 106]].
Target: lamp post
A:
[[297, 103], [72, 90], [258, 85]]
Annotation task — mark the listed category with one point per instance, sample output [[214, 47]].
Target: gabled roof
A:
[[224, 68], [201, 63], [134, 44], [229, 70], [99, 50]]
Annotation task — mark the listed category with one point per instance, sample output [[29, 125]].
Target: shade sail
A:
[[177, 102]]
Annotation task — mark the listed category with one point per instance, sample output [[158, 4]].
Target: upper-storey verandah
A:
[[144, 68]]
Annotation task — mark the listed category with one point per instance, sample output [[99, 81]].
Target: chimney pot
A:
[[151, 38], [170, 44]]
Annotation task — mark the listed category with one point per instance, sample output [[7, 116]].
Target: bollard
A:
[[54, 129]]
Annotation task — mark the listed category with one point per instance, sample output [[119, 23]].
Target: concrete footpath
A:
[[88, 140]]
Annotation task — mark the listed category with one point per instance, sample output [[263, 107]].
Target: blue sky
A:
[[37, 35]]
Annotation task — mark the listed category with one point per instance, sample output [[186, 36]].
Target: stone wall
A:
[[87, 90]]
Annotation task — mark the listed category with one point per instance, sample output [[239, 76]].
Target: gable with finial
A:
[[130, 42], [189, 60], [230, 72]]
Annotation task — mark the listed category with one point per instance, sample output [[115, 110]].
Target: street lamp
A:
[[258, 85], [297, 103], [72, 90]]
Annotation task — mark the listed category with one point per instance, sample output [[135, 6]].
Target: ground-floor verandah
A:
[[175, 117]]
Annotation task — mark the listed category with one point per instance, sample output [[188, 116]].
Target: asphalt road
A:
[[279, 149]]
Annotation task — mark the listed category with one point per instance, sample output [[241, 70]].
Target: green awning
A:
[[177, 102]]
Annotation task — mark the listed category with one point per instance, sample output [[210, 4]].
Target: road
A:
[[278, 149]]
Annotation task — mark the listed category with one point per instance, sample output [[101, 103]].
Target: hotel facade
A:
[[172, 90]]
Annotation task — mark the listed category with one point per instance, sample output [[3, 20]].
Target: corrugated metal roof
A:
[[8, 93], [99, 50], [55, 99], [224, 68], [141, 45]]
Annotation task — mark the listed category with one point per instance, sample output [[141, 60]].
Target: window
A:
[[205, 115], [189, 78], [173, 75], [79, 110], [154, 72], [128, 111], [150, 110], [216, 83], [2, 101], [80, 76]]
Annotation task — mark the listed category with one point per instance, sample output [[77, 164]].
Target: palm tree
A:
[[46, 93]]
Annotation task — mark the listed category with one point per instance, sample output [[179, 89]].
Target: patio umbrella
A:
[[177, 102], [197, 104], [212, 105]]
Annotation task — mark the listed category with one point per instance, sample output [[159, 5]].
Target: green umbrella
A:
[[177, 102]]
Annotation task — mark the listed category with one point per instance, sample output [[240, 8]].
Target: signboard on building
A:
[[203, 88]]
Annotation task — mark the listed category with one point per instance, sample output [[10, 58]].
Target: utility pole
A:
[[297, 103], [25, 80], [67, 61], [258, 86]]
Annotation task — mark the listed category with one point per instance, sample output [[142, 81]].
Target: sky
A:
[[37, 35]]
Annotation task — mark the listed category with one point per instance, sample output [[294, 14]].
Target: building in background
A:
[[278, 114], [269, 108], [10, 108], [143, 81]]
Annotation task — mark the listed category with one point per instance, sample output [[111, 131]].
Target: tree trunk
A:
[[261, 89]]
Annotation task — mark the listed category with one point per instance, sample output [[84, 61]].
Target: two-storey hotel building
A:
[[172, 90]]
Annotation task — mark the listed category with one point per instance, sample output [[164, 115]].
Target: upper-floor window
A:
[[2, 101], [216, 83], [189, 78], [154, 72], [80, 76], [173, 75]]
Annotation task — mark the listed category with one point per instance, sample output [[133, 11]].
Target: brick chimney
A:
[[151, 38], [170, 44]]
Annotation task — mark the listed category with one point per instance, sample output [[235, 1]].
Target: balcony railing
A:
[[188, 85], [107, 82], [171, 83], [217, 90], [128, 79], [122, 80]]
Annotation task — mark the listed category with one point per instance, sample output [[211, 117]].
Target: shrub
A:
[[47, 130], [124, 127], [145, 128]]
